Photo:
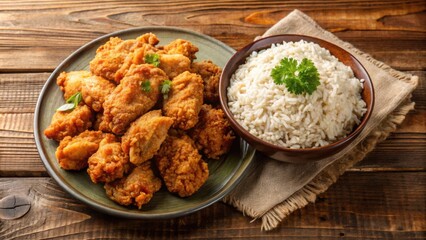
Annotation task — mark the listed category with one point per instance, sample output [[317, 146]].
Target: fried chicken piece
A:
[[181, 46], [213, 134], [210, 73], [136, 57], [129, 100], [181, 166], [109, 162], [174, 64], [71, 82], [94, 91], [110, 57], [148, 38], [145, 135], [137, 188], [184, 100], [73, 152], [69, 123]]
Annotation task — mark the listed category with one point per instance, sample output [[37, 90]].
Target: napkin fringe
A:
[[330, 175], [247, 211]]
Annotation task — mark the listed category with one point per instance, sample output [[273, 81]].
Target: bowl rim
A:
[[248, 49]]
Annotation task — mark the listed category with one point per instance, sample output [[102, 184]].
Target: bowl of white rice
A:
[[287, 117]]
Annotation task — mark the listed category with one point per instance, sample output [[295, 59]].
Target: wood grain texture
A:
[[382, 197], [18, 97], [365, 205], [39, 35], [19, 156]]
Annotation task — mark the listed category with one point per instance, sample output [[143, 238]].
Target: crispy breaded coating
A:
[[145, 135], [136, 57], [73, 152], [181, 46], [129, 100], [148, 38], [71, 82], [181, 166], [109, 162], [110, 57], [184, 100], [98, 120], [174, 64], [213, 134], [94, 91], [210, 73], [137, 188], [69, 123]]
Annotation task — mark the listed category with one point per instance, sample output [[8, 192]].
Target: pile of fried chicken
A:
[[148, 115]]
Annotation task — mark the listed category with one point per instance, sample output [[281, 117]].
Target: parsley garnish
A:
[[146, 86], [71, 103], [153, 58], [297, 78], [165, 88]]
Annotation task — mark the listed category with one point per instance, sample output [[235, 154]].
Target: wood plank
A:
[[19, 156], [392, 154], [18, 97], [40, 35], [359, 205]]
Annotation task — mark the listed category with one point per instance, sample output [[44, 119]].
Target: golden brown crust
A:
[[174, 64], [181, 166], [109, 162], [213, 134], [69, 123], [135, 57], [71, 82], [210, 73], [148, 38], [94, 91], [73, 152], [137, 188], [183, 47], [145, 135], [110, 58], [128, 101], [98, 120], [184, 100]]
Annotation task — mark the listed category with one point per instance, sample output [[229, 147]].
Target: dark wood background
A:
[[382, 197]]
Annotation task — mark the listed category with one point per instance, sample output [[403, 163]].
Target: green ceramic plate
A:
[[224, 173]]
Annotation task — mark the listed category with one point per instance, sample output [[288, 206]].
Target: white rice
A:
[[270, 112]]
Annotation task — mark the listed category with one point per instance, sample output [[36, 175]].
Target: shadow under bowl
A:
[[282, 153]]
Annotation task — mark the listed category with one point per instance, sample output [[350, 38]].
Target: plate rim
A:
[[232, 182]]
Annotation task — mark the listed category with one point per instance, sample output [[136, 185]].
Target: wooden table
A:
[[382, 197]]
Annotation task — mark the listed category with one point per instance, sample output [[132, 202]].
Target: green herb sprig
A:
[[302, 78], [153, 58], [71, 103], [165, 88], [146, 86]]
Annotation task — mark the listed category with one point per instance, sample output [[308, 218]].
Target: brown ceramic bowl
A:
[[283, 153]]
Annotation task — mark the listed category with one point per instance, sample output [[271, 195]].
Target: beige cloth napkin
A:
[[273, 189]]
